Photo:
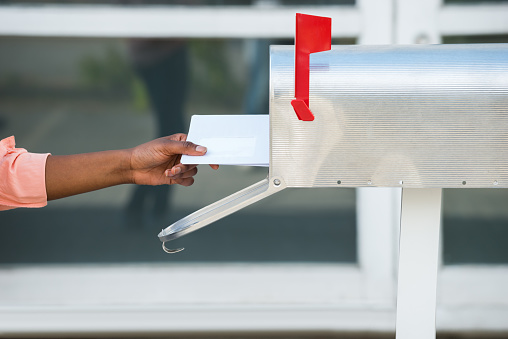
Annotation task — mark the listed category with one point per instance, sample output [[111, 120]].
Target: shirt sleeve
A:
[[22, 177]]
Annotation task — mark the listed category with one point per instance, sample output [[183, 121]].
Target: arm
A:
[[154, 163]]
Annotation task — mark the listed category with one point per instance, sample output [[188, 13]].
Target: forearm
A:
[[68, 175]]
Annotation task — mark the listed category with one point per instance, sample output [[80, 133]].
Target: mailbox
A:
[[418, 116]]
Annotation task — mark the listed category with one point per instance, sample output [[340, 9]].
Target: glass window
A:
[[68, 96], [476, 39], [475, 226]]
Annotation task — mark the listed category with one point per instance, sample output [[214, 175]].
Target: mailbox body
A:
[[393, 116], [420, 116]]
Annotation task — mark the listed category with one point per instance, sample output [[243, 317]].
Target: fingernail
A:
[[177, 170], [201, 149], [167, 173]]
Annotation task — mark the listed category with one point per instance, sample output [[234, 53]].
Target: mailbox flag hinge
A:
[[313, 34]]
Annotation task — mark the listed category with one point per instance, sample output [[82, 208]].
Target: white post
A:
[[418, 263]]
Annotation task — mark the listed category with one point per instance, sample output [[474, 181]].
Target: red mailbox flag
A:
[[313, 34]]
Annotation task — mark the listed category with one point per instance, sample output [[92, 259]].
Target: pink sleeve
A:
[[22, 177]]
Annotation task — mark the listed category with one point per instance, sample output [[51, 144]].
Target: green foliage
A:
[[140, 99], [107, 74], [212, 77]]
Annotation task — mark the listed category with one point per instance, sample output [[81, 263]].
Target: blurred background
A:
[[83, 76]]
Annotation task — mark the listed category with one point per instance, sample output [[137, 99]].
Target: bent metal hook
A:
[[167, 250]]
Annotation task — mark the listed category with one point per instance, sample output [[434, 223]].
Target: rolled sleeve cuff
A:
[[23, 174]]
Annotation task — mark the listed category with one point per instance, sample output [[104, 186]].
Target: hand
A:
[[155, 163], [158, 162]]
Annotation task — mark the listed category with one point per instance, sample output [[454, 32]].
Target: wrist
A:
[[126, 171]]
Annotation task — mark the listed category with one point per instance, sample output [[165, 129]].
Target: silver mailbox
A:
[[412, 116], [415, 116]]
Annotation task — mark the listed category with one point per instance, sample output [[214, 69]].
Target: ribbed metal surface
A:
[[411, 116]]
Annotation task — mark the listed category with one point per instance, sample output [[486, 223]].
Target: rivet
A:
[[495, 182], [369, 182], [276, 182], [464, 182], [339, 182]]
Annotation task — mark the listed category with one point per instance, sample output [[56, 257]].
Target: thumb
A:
[[187, 147]]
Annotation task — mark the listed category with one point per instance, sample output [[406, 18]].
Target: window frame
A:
[[101, 298]]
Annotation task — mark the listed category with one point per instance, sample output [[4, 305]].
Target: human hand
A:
[[158, 162]]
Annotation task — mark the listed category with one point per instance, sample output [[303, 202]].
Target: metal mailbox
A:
[[412, 116], [418, 116]]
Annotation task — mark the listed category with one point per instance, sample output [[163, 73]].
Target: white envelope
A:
[[230, 139]]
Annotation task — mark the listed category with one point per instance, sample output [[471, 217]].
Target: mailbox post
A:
[[420, 117], [418, 263]]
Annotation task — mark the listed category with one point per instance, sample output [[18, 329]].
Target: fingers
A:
[[181, 174], [185, 147], [184, 181], [177, 137], [181, 171]]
